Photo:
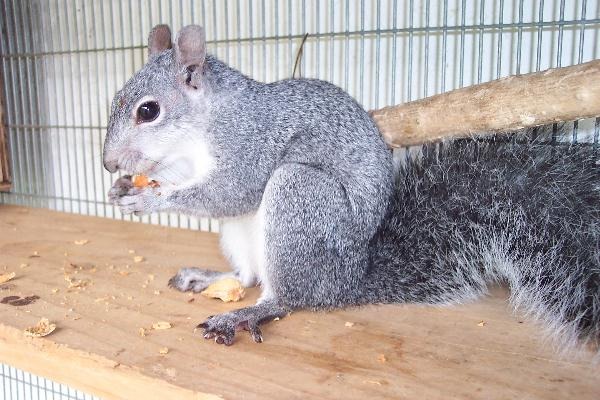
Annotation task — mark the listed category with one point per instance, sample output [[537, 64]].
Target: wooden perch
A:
[[511, 103], [388, 351]]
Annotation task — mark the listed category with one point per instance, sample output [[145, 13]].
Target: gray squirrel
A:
[[314, 211]]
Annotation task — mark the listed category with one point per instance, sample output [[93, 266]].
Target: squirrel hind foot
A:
[[223, 327]]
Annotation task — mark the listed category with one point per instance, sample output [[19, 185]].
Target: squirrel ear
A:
[[190, 52], [159, 39]]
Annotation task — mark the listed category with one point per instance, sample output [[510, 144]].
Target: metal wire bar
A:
[[18, 384], [538, 58], [411, 28], [12, 102], [575, 24], [444, 45], [480, 41]]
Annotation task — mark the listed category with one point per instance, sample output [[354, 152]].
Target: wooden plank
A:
[[430, 352], [86, 371], [503, 105]]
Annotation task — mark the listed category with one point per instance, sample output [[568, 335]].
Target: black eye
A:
[[148, 111]]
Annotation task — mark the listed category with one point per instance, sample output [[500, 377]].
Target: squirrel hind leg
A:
[[223, 327], [196, 279]]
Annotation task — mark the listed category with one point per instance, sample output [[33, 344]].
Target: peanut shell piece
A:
[[228, 289]]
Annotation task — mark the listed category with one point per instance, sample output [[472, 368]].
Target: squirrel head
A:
[[158, 118]]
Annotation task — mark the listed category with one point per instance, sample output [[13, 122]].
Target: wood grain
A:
[[507, 104], [428, 352]]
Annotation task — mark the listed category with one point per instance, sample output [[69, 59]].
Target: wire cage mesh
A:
[[18, 384], [63, 60]]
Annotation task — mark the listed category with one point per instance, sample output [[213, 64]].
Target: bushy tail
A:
[[470, 212]]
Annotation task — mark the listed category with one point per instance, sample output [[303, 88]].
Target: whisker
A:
[[168, 168]]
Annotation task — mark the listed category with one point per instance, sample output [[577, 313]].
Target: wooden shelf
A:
[[429, 352]]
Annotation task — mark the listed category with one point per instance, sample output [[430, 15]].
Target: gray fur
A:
[[338, 230], [469, 213]]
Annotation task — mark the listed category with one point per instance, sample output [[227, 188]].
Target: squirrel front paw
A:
[[135, 200], [120, 188]]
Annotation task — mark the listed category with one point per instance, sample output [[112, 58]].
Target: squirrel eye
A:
[[148, 111]]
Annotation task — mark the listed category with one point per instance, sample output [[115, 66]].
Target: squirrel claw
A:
[[204, 325], [222, 329], [224, 339], [253, 328], [221, 335]]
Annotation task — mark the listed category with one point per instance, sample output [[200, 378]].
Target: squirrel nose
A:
[[111, 165]]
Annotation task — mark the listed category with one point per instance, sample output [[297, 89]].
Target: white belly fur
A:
[[243, 243]]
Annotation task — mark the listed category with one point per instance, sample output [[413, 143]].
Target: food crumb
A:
[[76, 283], [81, 242], [157, 292], [163, 350], [23, 265], [481, 323], [373, 382], [161, 325], [131, 251], [55, 290], [138, 259], [349, 324], [7, 277], [140, 181], [142, 332], [101, 299], [42, 328], [381, 358]]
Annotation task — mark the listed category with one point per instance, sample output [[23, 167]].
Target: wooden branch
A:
[[4, 168], [511, 103]]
